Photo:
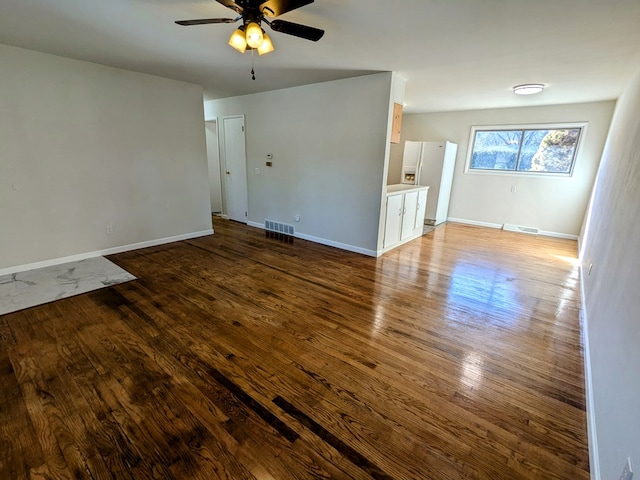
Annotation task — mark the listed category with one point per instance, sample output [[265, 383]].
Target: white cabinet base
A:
[[404, 214]]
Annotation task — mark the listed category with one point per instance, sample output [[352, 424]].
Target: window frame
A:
[[529, 126]]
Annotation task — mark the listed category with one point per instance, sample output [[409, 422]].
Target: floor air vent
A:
[[279, 231], [521, 229]]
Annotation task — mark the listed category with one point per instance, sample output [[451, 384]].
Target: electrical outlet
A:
[[296, 218], [109, 229], [627, 473]]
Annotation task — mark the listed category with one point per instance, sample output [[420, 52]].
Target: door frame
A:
[[213, 163]]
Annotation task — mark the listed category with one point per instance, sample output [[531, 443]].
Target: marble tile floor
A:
[[35, 287]]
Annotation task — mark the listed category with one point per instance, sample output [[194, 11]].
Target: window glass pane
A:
[[554, 153], [530, 144], [496, 150]]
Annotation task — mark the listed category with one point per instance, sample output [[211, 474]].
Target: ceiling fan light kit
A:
[[250, 35], [266, 46], [238, 40], [254, 35]]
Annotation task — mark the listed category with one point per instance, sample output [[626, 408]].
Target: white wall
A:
[[612, 243], [329, 143], [552, 204], [83, 146]]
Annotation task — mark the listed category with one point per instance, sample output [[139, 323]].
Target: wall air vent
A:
[[279, 231], [520, 229]]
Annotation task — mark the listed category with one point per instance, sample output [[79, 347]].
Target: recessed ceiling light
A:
[[528, 88]]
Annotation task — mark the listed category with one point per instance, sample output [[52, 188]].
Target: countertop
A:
[[403, 188]]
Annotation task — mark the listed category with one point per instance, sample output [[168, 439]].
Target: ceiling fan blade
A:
[[297, 30], [231, 4], [278, 7], [204, 21]]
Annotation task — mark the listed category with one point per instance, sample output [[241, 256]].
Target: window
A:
[[541, 149]]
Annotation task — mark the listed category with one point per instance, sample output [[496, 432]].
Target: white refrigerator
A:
[[431, 164]]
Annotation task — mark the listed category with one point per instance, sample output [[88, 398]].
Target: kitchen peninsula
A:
[[404, 214]]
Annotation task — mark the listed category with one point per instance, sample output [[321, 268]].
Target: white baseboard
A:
[[324, 241], [342, 246], [99, 253], [594, 457], [474, 222], [558, 235], [544, 233]]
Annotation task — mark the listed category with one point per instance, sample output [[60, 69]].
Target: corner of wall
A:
[[594, 459], [396, 95]]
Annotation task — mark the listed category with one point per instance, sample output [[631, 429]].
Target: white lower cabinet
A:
[[404, 215], [418, 226], [393, 225], [409, 215]]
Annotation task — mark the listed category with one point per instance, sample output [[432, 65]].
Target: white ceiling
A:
[[455, 54]]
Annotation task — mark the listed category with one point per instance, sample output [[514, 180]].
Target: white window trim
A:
[[525, 126]]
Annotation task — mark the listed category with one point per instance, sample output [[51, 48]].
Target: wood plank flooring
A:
[[234, 356]]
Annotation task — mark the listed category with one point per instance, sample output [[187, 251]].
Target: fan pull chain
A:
[[253, 74]]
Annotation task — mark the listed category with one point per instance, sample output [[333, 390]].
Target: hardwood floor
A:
[[456, 356]]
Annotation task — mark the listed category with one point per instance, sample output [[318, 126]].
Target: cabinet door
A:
[[418, 225], [393, 220], [409, 214]]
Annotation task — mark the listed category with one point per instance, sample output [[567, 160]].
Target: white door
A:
[[438, 164], [409, 214], [235, 168], [411, 154], [393, 220], [448, 167]]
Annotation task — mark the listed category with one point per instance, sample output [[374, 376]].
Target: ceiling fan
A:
[[252, 13]]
